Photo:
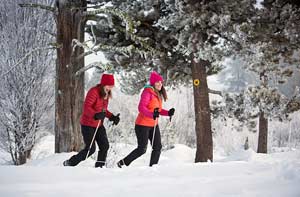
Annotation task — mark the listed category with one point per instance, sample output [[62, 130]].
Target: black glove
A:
[[171, 112], [99, 116], [115, 119], [155, 113]]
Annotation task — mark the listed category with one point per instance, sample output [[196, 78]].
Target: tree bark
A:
[[69, 90], [202, 112], [263, 134], [22, 158]]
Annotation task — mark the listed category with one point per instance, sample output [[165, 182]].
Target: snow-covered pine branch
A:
[[99, 65], [40, 6], [144, 50]]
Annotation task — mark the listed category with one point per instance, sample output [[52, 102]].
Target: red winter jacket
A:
[[93, 104]]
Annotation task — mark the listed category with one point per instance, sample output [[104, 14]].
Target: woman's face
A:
[[108, 88], [158, 85]]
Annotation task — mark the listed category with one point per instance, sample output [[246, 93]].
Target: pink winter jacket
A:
[[148, 102]]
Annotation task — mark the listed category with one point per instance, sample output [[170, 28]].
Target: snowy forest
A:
[[231, 70]]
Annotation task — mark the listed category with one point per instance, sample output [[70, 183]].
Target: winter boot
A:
[[120, 163], [99, 164], [66, 163]]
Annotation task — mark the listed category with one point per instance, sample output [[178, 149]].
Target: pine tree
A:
[[270, 43], [203, 30]]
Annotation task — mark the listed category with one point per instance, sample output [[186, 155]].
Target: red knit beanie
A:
[[155, 77], [107, 79]]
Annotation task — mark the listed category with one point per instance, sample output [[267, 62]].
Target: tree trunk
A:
[[202, 112], [263, 134], [22, 158], [69, 89], [28, 153]]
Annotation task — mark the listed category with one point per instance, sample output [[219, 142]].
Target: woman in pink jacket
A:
[[146, 124]]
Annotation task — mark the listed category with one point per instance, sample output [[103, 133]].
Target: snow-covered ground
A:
[[243, 173]]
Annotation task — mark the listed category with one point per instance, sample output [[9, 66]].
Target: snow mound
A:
[[241, 155], [180, 153], [289, 171], [52, 160]]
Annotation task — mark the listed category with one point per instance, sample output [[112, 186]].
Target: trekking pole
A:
[[87, 155], [169, 123], [154, 133], [156, 122]]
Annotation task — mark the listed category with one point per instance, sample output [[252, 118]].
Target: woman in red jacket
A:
[[95, 110], [146, 124]]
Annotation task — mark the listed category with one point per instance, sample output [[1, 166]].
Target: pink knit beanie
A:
[[155, 77]]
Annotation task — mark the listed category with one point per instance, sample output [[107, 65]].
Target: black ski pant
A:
[[143, 134], [102, 142]]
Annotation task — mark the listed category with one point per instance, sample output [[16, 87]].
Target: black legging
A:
[[144, 133], [102, 142]]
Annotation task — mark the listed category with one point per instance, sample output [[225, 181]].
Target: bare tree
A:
[[26, 75]]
